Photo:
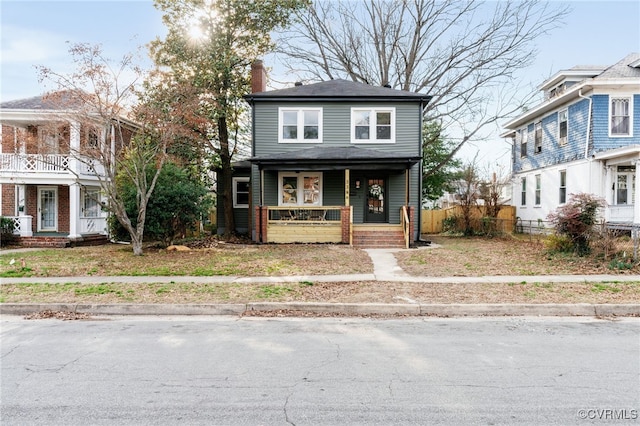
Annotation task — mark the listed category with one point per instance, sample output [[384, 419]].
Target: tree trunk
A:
[[226, 192]]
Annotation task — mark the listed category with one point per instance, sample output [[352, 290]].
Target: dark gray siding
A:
[[336, 121]]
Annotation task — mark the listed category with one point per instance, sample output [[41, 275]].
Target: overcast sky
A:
[[39, 33]]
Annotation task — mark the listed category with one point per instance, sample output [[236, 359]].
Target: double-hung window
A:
[[523, 191], [523, 142], [300, 189], [373, 125], [562, 127], [300, 125], [537, 138], [91, 206], [563, 187], [538, 190], [241, 192], [620, 121]]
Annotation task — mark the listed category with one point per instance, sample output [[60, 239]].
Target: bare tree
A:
[[96, 98], [468, 193], [463, 53]]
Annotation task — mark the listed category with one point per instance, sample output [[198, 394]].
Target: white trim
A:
[[628, 97], [299, 124], [372, 125], [235, 180], [298, 192]]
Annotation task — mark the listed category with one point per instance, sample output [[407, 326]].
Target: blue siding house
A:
[[335, 162], [583, 138]]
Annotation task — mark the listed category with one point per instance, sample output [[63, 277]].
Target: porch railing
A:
[[620, 213], [93, 225], [22, 225], [404, 221], [306, 214]]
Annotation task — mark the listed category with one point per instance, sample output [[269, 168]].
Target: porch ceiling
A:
[[335, 158]]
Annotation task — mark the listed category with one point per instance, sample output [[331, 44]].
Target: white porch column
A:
[[608, 191], [636, 202], [74, 211], [74, 147]]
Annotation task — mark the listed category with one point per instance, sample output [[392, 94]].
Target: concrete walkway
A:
[[386, 269]]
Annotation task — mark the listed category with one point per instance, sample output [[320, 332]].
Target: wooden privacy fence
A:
[[432, 220]]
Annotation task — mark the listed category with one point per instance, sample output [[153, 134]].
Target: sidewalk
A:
[[386, 269]]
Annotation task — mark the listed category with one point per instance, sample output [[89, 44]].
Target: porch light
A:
[[357, 183]]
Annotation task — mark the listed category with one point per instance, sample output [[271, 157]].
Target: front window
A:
[[91, 203], [241, 192], [537, 143], [620, 117], [538, 189], [563, 187], [562, 127], [300, 189], [372, 125], [523, 191], [300, 125]]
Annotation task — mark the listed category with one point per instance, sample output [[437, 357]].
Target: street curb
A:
[[354, 309]]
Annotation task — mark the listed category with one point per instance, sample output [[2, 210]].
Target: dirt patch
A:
[[61, 315]]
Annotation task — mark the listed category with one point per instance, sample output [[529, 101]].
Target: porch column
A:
[[74, 212], [636, 201], [74, 146], [347, 186], [608, 191]]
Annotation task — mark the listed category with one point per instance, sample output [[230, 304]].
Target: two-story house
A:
[[336, 161], [48, 187], [583, 138]]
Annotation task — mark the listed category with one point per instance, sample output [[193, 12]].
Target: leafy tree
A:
[[576, 218], [463, 53], [97, 95], [206, 59], [439, 170], [178, 202]]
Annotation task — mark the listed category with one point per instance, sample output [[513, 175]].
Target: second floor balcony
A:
[[24, 165]]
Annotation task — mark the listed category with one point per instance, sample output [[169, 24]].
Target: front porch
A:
[[330, 224]]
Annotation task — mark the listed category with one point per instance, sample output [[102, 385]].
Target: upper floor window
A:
[[620, 112], [562, 127], [373, 125], [523, 142], [537, 138], [241, 192], [300, 125]]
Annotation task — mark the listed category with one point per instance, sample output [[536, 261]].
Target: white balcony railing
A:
[[48, 163]]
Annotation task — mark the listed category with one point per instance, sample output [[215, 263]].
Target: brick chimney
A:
[[258, 77]]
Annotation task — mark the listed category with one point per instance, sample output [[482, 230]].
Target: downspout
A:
[[586, 144]]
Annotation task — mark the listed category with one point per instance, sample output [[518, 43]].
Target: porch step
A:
[[90, 240], [43, 242], [378, 239]]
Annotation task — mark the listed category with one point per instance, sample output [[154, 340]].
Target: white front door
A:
[[47, 209]]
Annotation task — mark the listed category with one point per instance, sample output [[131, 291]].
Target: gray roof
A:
[[54, 101], [623, 68], [338, 89], [335, 157]]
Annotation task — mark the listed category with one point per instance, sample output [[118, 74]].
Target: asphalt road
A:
[[327, 371]]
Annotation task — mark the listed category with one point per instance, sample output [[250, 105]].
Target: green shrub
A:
[[450, 224], [557, 243]]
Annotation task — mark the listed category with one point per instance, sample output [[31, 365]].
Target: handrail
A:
[[404, 219]]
